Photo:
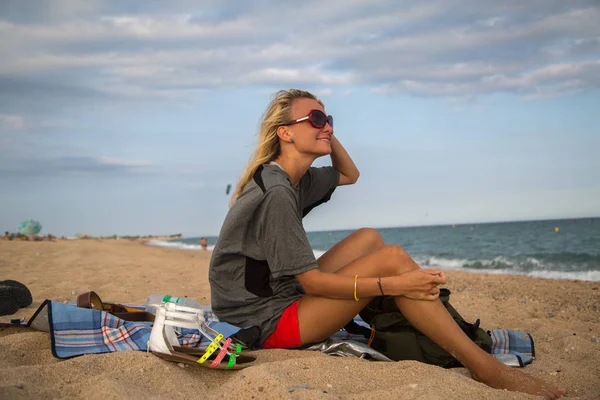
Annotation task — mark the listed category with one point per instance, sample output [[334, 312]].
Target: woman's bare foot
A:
[[510, 379]]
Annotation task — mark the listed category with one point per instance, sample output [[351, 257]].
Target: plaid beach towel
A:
[[77, 331], [514, 348]]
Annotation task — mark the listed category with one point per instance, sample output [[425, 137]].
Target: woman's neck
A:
[[295, 166]]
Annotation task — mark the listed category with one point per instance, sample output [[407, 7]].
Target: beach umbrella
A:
[[30, 227]]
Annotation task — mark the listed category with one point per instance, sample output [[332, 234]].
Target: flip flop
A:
[[221, 353], [19, 292]]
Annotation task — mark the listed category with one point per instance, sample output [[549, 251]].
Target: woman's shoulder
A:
[[268, 185], [272, 178]]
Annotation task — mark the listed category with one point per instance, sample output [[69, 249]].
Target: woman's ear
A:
[[284, 134]]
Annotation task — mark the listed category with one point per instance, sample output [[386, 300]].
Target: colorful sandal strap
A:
[[210, 349], [221, 354], [231, 362]]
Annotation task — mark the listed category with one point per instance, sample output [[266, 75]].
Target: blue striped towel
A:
[[514, 348]]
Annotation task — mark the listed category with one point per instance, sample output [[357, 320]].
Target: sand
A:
[[562, 316]]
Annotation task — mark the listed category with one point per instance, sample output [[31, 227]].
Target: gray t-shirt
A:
[[263, 245]]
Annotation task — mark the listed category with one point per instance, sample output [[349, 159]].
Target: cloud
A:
[[548, 81], [323, 92], [12, 123], [22, 123], [108, 50], [113, 162], [63, 166]]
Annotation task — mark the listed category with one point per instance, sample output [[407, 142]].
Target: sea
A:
[[556, 249]]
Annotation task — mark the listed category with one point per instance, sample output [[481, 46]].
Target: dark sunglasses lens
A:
[[330, 120], [318, 119]]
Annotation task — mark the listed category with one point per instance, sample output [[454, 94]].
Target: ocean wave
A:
[[173, 244], [566, 266], [448, 263], [569, 257], [593, 276]]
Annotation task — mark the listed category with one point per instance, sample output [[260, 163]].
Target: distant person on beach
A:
[[204, 244], [6, 236], [263, 271]]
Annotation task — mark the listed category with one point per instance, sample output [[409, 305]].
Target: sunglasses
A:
[[317, 118]]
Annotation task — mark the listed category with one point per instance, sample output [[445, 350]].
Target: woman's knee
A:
[[397, 259], [371, 237]]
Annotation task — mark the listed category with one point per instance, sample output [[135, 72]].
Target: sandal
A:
[[92, 300], [164, 344]]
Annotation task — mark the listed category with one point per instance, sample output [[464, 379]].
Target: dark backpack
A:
[[392, 335]]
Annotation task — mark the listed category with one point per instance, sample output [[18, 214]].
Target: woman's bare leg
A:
[[320, 317], [432, 319], [358, 244]]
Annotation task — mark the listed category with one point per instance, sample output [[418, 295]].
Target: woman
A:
[[263, 271]]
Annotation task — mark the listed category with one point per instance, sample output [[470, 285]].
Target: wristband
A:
[[380, 288]]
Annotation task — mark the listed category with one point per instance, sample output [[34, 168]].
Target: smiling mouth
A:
[[325, 139]]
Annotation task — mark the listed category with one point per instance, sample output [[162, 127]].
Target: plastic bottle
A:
[[155, 300]]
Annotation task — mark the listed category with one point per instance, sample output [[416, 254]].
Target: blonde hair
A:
[[278, 113]]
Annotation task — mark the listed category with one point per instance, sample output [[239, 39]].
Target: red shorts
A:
[[287, 332]]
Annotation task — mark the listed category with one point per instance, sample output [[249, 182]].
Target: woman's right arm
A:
[[421, 284]]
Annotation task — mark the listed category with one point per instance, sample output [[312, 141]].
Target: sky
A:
[[132, 117]]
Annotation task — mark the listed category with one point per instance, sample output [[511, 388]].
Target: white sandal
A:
[[164, 344]]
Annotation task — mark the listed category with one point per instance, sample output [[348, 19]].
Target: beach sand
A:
[[562, 316]]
